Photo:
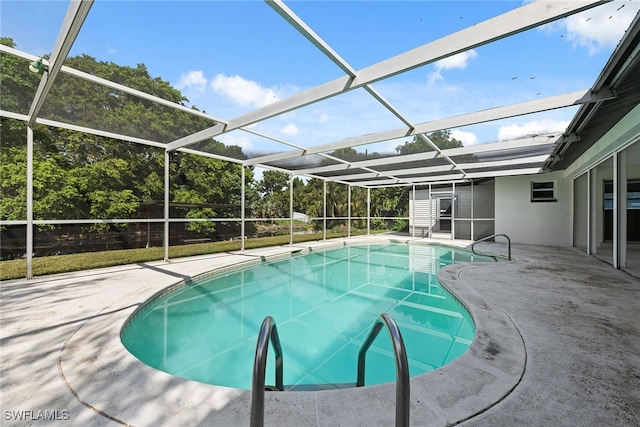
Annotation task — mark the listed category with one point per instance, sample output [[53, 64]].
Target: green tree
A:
[[17, 82], [441, 139], [273, 191], [78, 101], [79, 175], [208, 188], [389, 202], [272, 182], [308, 197]]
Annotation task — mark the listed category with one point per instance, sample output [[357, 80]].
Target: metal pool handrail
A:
[[402, 366], [490, 237], [268, 331]]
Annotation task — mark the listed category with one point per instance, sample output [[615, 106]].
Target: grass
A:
[[16, 269]]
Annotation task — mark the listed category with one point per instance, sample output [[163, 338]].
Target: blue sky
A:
[[232, 57]]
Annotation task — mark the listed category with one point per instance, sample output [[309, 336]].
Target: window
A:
[[543, 191], [633, 195]]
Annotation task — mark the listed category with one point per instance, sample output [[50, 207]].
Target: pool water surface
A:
[[324, 304]]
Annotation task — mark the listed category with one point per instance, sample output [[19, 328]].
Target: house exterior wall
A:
[[535, 223]]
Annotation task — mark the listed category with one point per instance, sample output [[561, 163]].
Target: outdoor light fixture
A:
[[37, 65]]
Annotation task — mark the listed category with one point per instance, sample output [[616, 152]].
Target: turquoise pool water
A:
[[324, 304]]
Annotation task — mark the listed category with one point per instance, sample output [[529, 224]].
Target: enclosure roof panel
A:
[[364, 93]]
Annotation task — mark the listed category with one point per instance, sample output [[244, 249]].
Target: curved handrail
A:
[[402, 366], [268, 331], [490, 237]]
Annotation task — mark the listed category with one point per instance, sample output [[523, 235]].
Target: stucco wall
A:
[[536, 223]]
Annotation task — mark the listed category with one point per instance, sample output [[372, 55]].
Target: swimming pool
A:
[[324, 304]]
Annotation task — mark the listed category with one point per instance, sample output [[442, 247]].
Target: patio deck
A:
[[558, 343]]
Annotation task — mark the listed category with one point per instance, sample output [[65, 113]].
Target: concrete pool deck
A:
[[558, 343]]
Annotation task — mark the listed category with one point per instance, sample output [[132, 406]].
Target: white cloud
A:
[[533, 127], [323, 118], [245, 93], [460, 60], [467, 138], [111, 51], [192, 80], [241, 140], [597, 28], [434, 78], [289, 129]]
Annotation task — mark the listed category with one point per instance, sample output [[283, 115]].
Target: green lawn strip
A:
[[16, 269]]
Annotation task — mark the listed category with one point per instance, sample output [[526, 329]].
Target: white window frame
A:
[[540, 190]]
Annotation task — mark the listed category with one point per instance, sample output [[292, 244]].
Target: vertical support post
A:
[[588, 224], [622, 209], [412, 212], [430, 213], [616, 207], [29, 242], [324, 197], [242, 196], [348, 210], [368, 211], [472, 202], [166, 205], [291, 209], [453, 211]]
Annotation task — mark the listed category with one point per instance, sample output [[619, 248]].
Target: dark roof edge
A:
[[617, 67], [614, 66]]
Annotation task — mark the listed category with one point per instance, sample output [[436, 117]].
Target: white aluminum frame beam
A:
[[290, 144], [381, 182], [137, 93], [73, 20], [539, 140], [428, 155], [440, 154], [112, 135], [521, 19], [349, 142], [385, 182], [454, 177], [510, 172], [489, 115], [315, 39], [318, 42], [509, 162], [354, 178], [108, 83], [391, 176], [441, 179]]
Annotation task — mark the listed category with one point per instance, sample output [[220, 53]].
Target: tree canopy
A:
[[86, 176], [79, 175], [441, 139]]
